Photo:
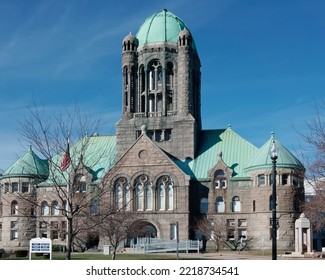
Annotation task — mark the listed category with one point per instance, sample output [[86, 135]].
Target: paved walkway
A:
[[242, 256]]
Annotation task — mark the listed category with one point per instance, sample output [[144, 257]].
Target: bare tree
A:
[[216, 231], [118, 227], [72, 168], [314, 160]]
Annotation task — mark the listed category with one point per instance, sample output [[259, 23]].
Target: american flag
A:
[[65, 161]]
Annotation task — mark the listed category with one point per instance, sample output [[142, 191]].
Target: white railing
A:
[[155, 245]]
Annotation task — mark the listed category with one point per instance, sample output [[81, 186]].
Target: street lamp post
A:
[[274, 156]]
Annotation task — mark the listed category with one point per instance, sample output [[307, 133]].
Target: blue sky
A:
[[263, 62]]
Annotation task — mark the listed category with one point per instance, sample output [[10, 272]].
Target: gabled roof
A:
[[98, 156], [236, 153], [29, 165], [156, 156]]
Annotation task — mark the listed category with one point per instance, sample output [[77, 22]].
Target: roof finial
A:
[[144, 129], [272, 135]]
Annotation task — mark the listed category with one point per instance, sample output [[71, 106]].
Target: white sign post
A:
[[40, 245]]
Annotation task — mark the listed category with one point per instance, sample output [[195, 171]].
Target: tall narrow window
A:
[[44, 208], [165, 193], [173, 231], [119, 197], [14, 208], [161, 197], [24, 187], [169, 195], [55, 208], [236, 207], [261, 179], [168, 134], [139, 196], [143, 193], [122, 194], [13, 235], [15, 187], [127, 197], [148, 197], [220, 204], [285, 178]]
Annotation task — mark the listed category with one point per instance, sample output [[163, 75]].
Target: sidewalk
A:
[[242, 256]]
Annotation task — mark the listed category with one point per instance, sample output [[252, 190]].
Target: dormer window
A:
[[220, 180], [81, 185]]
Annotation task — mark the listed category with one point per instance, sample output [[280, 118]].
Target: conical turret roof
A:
[[262, 158], [29, 165]]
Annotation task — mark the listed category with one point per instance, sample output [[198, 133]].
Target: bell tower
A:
[[161, 87]]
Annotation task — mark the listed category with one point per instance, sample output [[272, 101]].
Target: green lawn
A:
[[101, 256]]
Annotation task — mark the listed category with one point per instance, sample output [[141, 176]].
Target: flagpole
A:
[[64, 165]]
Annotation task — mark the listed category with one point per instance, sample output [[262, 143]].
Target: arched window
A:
[[220, 180], [122, 194], [44, 208], [165, 195], [236, 206], [143, 193], [55, 208], [220, 204], [14, 207]]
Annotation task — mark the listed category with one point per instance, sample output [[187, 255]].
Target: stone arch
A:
[[169, 174], [139, 173], [144, 228], [117, 176]]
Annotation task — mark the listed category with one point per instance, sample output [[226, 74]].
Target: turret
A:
[[129, 65]]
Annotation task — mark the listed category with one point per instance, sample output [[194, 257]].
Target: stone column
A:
[[303, 235]]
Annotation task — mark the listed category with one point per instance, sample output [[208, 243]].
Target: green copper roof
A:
[[98, 156], [160, 27], [236, 153], [29, 165], [285, 159]]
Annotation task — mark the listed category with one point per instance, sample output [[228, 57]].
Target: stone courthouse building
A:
[[161, 163]]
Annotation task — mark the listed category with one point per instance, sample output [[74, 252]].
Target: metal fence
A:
[[155, 245]]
